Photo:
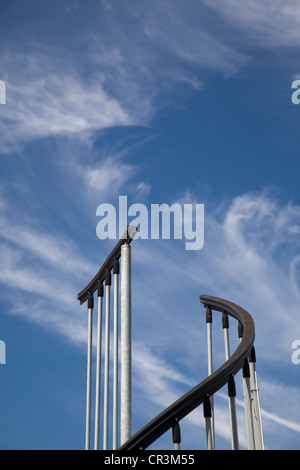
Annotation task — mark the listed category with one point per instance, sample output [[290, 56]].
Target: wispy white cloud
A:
[[126, 72], [15, 275], [128, 67], [109, 176], [55, 250], [188, 38], [257, 251], [40, 275], [270, 23], [50, 98], [154, 373]]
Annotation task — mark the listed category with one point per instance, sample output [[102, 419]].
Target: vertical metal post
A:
[[89, 372], [233, 415], [176, 435], [116, 270], [98, 366], [258, 433], [210, 366], [248, 406], [125, 343], [106, 360], [231, 389], [247, 397], [225, 325], [207, 412]]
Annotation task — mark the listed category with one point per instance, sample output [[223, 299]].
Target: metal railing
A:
[[203, 393], [242, 359], [112, 265]]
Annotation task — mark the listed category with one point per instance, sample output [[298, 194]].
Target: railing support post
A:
[[248, 406], [233, 416], [176, 435], [258, 434], [210, 367], [125, 398], [89, 372], [116, 358], [106, 360], [98, 366], [231, 388], [207, 412]]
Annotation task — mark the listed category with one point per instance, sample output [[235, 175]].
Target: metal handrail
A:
[[115, 254], [168, 418]]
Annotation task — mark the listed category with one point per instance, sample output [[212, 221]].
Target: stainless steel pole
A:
[[116, 358], [89, 372], [248, 406], [258, 432], [207, 412], [106, 360], [233, 414], [98, 366], [225, 324], [125, 343], [231, 388], [247, 397], [210, 367]]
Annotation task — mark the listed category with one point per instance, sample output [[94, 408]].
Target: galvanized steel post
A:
[[125, 398], [89, 372]]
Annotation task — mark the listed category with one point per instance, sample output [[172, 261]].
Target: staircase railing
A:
[[121, 250], [243, 358]]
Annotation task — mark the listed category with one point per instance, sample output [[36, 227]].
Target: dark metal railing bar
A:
[[188, 402], [115, 254]]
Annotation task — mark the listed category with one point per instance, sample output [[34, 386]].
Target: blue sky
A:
[[161, 101]]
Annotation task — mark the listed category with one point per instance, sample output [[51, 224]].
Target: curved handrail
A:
[[188, 402], [92, 286]]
